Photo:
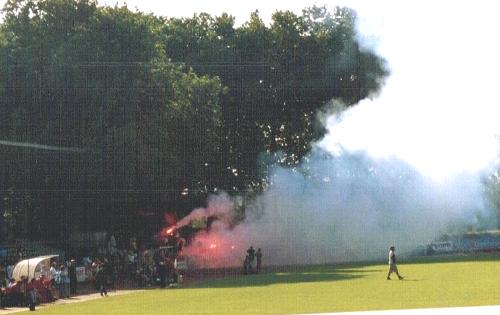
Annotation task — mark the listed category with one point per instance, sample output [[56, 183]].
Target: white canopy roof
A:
[[33, 267]]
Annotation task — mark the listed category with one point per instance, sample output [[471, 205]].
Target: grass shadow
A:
[[226, 278], [304, 275], [360, 271]]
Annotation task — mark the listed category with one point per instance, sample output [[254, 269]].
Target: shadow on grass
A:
[[360, 271], [232, 277], [307, 274]]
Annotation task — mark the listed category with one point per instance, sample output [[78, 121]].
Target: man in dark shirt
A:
[[251, 258], [72, 276], [102, 279]]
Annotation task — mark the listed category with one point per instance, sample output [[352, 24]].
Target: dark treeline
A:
[[160, 111]]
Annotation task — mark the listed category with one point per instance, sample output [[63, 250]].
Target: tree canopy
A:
[[163, 110], [278, 77]]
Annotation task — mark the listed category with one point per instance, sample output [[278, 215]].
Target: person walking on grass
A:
[[392, 264], [101, 280]]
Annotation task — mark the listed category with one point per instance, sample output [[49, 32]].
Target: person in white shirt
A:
[[12, 283], [53, 272], [392, 264], [54, 279]]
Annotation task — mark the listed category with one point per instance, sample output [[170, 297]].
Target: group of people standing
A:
[[60, 282], [145, 267], [252, 256], [64, 279]]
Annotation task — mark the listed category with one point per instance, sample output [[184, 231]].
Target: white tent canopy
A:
[[32, 268]]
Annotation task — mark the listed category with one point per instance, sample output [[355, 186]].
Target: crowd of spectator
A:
[[135, 266], [107, 268], [58, 282]]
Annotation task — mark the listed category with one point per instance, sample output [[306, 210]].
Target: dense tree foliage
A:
[[159, 111], [278, 77]]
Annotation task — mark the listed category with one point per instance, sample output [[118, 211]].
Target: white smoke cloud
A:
[[400, 169], [439, 108], [344, 208], [218, 206]]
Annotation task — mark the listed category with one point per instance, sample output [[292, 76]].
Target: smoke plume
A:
[[400, 169], [344, 208]]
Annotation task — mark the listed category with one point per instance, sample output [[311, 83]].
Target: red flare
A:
[[166, 232]]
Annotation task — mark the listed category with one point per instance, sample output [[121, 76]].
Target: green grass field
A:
[[457, 281]]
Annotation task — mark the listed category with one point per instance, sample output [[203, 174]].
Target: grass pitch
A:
[[457, 281]]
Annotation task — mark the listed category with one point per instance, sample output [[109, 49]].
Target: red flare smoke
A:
[[170, 218]]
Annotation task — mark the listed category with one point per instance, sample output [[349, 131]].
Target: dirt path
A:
[[73, 299]]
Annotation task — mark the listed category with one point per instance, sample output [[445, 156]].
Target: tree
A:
[[97, 78], [164, 111], [277, 78]]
